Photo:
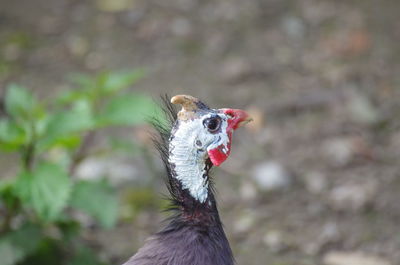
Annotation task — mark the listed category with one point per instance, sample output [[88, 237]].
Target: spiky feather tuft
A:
[[161, 142]]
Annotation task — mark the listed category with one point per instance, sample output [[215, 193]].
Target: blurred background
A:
[[313, 180]]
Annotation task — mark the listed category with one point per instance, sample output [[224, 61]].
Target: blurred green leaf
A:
[[16, 245], [86, 86], [98, 199], [79, 118], [129, 109], [20, 102], [40, 124], [70, 96], [110, 82], [46, 189], [104, 84], [12, 137], [62, 127]]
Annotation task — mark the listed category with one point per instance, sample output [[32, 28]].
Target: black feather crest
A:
[[161, 142]]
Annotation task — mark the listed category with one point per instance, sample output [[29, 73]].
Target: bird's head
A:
[[207, 132]]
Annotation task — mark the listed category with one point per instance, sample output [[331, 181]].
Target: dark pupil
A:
[[212, 124]]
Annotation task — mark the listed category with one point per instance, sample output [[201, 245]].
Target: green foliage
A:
[[63, 128], [19, 102], [11, 136], [46, 189], [110, 82], [39, 204], [97, 199], [17, 244], [129, 109], [103, 85]]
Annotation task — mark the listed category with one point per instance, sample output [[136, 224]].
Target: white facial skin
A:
[[188, 152]]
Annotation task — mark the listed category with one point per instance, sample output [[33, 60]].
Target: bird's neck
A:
[[189, 169], [193, 191]]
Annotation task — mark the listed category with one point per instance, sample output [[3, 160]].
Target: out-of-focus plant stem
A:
[[10, 212], [28, 154], [81, 152]]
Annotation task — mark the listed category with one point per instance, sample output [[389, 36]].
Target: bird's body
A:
[[185, 242], [199, 138]]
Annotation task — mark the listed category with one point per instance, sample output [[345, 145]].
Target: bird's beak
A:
[[239, 118]]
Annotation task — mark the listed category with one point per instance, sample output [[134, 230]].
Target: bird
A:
[[195, 139]]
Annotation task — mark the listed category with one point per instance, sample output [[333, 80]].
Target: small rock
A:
[[121, 172], [316, 182], [361, 109], [91, 169], [293, 26], [339, 151], [117, 171], [248, 191], [353, 197], [311, 248], [352, 258], [181, 27], [271, 176], [330, 233], [77, 46], [274, 241], [132, 17], [244, 223]]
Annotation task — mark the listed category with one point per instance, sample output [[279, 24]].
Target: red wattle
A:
[[217, 155]]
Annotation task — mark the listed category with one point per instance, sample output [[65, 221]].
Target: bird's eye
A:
[[212, 124]]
